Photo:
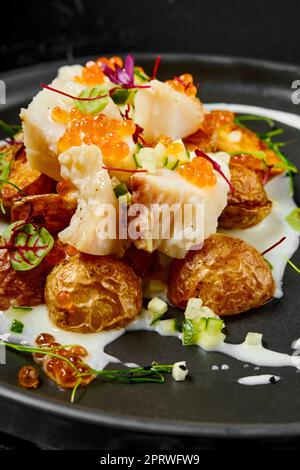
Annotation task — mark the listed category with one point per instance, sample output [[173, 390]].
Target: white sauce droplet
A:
[[225, 367], [214, 367], [258, 379]]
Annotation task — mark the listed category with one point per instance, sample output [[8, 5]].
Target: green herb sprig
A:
[[285, 164], [149, 374]]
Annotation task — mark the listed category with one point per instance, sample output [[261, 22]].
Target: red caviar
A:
[[64, 299], [92, 72], [108, 134], [199, 172], [184, 84], [28, 377]]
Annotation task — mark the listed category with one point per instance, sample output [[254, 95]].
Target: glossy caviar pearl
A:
[[56, 255], [59, 115], [44, 338], [184, 84], [92, 72], [64, 299], [71, 250], [28, 377], [199, 172], [78, 350], [175, 148], [108, 134]]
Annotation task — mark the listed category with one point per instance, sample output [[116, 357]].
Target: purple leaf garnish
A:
[[122, 77]]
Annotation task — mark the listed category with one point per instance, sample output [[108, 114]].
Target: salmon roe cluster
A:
[[184, 84], [107, 134], [199, 172], [58, 369], [92, 72]]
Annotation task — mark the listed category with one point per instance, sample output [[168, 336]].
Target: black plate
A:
[[209, 403]]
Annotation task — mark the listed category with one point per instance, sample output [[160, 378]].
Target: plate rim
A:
[[78, 413]]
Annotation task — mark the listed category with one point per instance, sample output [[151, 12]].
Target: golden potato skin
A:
[[229, 275], [21, 287], [53, 210], [30, 181], [249, 203], [104, 294]]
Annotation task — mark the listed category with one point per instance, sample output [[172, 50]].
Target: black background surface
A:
[[35, 31]]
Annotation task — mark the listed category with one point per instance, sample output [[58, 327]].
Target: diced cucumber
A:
[[157, 306], [190, 332], [207, 341], [203, 324], [120, 190], [147, 159], [214, 326], [160, 155], [253, 339], [167, 327], [193, 308]]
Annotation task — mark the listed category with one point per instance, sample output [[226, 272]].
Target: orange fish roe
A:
[[59, 115], [92, 72], [28, 377], [108, 134], [57, 254], [175, 148], [199, 172], [64, 299], [183, 84]]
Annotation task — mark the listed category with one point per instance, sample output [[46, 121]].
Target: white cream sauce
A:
[[261, 236], [259, 379]]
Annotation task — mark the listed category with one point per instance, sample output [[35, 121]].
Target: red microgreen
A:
[[93, 98], [27, 244], [155, 68], [137, 135], [216, 167], [274, 246]]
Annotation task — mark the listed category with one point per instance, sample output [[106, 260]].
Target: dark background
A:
[[39, 31]]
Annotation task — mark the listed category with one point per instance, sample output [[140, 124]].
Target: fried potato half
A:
[[50, 208], [249, 203], [229, 275], [219, 132], [19, 288], [28, 180], [88, 293]]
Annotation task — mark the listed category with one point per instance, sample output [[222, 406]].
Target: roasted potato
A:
[[219, 132], [21, 287], [25, 178], [51, 208], [88, 293], [249, 203], [229, 275]]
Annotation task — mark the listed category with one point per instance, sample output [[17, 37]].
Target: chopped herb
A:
[[140, 75], [120, 96], [136, 161], [293, 266], [10, 129], [93, 106], [269, 264], [120, 190], [17, 326], [20, 308], [294, 219], [250, 117]]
